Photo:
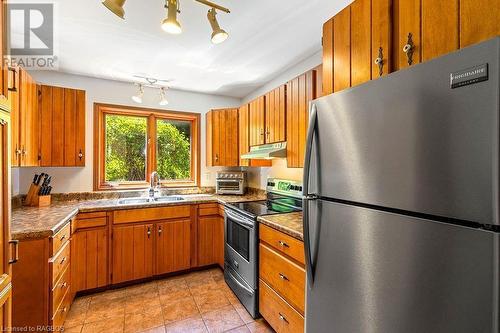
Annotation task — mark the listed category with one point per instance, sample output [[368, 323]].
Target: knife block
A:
[[33, 199]]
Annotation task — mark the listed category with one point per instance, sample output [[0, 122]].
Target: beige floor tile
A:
[[260, 326], [106, 310], [198, 278], [193, 324], [77, 313], [232, 297], [167, 287], [241, 329], [173, 280], [180, 310], [204, 288], [211, 300], [110, 295], [147, 320], [173, 297], [112, 325], [244, 315], [141, 289], [222, 320], [142, 302], [159, 329]]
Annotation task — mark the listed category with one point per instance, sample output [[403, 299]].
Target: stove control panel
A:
[[283, 186]]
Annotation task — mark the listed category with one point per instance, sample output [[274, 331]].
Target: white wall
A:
[[257, 176], [114, 92]]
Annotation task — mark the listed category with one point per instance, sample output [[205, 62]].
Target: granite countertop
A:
[[290, 224], [42, 222]]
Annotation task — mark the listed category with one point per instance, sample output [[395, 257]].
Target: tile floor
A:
[[195, 302]]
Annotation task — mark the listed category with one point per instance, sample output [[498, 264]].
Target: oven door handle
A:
[[241, 285], [238, 219]]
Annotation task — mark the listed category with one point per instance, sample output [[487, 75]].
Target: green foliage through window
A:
[[173, 149]]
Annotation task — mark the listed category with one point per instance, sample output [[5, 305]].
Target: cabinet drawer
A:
[[283, 243], [60, 289], [89, 223], [276, 311], [284, 276], [208, 209], [60, 238], [91, 215], [62, 311], [150, 214], [59, 262]]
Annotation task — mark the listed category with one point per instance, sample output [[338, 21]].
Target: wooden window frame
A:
[[152, 115]]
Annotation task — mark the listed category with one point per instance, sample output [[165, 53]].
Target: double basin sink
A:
[[168, 198]]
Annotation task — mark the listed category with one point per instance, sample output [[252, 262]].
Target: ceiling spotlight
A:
[[138, 98], [170, 23], [218, 34], [116, 7], [163, 98]]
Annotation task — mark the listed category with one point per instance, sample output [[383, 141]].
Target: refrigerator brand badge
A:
[[469, 76]]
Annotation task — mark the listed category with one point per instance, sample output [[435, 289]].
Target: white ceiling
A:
[[265, 38]]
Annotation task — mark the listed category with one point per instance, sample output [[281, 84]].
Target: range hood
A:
[[266, 152]]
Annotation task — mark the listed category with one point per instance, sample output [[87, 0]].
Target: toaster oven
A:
[[231, 182]]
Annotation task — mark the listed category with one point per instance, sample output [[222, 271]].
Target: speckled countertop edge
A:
[[290, 223], [30, 223]]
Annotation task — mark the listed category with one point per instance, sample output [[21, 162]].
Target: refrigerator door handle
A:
[[307, 196]]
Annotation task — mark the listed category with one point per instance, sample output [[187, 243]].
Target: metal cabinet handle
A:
[[283, 277], [149, 232], [262, 132], [64, 285], [63, 237], [80, 154], [15, 252], [268, 133], [159, 231], [380, 61], [63, 260], [409, 48], [216, 157], [64, 309], [14, 84], [283, 244], [283, 318]]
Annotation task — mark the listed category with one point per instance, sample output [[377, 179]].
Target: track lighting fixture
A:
[[163, 98], [138, 98], [170, 24], [218, 34], [116, 7]]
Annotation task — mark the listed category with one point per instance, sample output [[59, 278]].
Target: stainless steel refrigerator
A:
[[401, 208]]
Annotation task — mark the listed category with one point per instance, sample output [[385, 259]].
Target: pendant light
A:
[[116, 7], [218, 34], [163, 97], [138, 98], [170, 23]]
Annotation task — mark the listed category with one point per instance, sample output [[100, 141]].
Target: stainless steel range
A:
[[241, 237]]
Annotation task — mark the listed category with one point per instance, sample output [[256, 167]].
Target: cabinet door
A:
[[29, 127], [257, 121], [132, 252], [243, 133], [479, 21], [361, 59], [15, 119], [342, 50], [300, 91], [89, 259], [275, 115], [4, 75], [328, 57], [209, 239], [381, 25], [173, 246], [440, 28], [229, 139], [409, 14]]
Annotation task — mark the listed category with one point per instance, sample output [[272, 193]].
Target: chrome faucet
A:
[[154, 183]]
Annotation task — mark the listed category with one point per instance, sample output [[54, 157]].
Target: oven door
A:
[[240, 250], [229, 186]]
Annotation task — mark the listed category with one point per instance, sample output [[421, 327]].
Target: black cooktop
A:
[[263, 207]]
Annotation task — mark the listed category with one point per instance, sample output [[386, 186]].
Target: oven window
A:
[[238, 237]]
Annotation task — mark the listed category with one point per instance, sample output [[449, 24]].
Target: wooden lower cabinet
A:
[[282, 280], [46, 299], [210, 235], [132, 252], [173, 246]]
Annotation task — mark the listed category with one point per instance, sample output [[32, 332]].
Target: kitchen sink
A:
[[169, 198], [130, 201]]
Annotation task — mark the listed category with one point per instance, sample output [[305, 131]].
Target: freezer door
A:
[[379, 272], [410, 142]]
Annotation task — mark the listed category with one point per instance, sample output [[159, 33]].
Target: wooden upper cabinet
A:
[[62, 126], [173, 246], [257, 112], [222, 137], [328, 57], [275, 115], [381, 37], [300, 91], [244, 138], [361, 58], [342, 50], [409, 46], [479, 21], [4, 70], [24, 116]]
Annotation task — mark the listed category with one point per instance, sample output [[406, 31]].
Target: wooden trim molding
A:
[[152, 115]]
